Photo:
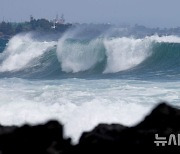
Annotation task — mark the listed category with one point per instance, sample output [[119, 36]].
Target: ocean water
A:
[[83, 81]]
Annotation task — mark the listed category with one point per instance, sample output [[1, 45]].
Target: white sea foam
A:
[[81, 104], [125, 53], [21, 49], [121, 53], [78, 56], [165, 39]]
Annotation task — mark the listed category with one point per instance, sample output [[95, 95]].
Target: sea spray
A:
[[76, 56], [112, 55], [42, 80], [21, 49], [125, 53]]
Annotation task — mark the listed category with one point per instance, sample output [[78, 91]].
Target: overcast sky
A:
[[151, 13]]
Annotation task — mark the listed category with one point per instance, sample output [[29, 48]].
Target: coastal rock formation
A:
[[164, 121], [40, 139]]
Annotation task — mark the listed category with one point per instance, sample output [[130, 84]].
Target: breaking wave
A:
[[63, 90], [26, 56], [20, 51]]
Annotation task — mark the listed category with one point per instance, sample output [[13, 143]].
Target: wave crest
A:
[[76, 56], [21, 49], [30, 57], [125, 53]]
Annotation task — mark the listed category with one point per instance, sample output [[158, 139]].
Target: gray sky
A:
[[151, 13]]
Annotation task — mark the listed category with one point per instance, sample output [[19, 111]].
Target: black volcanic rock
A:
[[103, 134], [163, 120], [48, 138], [161, 117], [40, 139]]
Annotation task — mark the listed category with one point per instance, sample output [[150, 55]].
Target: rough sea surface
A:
[[83, 81]]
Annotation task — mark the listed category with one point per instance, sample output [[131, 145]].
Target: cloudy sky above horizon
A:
[[152, 13]]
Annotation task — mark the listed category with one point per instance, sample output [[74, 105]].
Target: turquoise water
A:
[[82, 82]]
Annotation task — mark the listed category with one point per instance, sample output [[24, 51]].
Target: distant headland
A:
[[59, 25], [8, 29]]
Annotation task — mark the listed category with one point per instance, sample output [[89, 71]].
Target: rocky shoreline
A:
[[164, 121]]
